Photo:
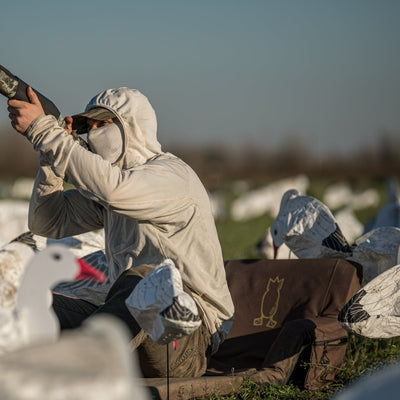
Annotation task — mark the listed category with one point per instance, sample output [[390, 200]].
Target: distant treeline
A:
[[216, 165]]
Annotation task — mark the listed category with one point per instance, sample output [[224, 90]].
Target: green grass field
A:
[[362, 356]]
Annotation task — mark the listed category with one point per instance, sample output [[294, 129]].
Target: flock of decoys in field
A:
[[309, 230], [303, 227]]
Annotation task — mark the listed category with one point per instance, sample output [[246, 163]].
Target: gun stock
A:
[[13, 87]]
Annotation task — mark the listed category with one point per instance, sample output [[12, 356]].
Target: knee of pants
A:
[[187, 357]]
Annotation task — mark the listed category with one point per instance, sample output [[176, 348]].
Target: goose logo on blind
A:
[[269, 303]]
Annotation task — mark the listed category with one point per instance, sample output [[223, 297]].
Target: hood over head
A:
[[138, 121]]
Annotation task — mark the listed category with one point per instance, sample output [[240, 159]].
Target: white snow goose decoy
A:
[[32, 318], [160, 305], [374, 311], [308, 228], [376, 251], [92, 362]]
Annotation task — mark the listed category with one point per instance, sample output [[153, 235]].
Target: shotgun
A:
[[13, 87]]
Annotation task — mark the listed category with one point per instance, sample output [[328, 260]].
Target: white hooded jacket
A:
[[151, 204]]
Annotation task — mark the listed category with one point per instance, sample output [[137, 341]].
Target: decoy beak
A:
[[275, 250], [87, 272]]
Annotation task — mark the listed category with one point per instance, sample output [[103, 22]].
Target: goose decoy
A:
[[32, 319], [374, 311], [376, 251], [161, 307], [308, 228], [92, 362]]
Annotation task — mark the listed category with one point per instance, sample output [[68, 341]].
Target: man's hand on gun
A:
[[22, 113]]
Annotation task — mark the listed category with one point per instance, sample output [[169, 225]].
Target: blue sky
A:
[[221, 72]]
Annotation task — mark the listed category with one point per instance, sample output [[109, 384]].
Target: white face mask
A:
[[107, 141]]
